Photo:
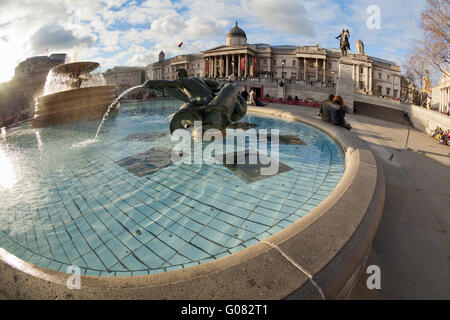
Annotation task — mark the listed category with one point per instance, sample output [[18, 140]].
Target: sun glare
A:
[[8, 176]]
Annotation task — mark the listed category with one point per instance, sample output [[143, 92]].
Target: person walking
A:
[[252, 97]]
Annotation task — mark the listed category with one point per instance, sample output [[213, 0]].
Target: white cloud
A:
[[125, 33], [282, 15], [56, 37]]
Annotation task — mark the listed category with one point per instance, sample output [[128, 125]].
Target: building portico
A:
[[224, 61]]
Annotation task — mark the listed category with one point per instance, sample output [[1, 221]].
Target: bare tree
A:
[[416, 66], [416, 69], [407, 82], [435, 22]]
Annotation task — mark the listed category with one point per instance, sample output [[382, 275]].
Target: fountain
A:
[[215, 107], [72, 93], [201, 103]]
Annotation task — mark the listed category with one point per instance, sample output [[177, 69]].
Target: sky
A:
[[133, 32]]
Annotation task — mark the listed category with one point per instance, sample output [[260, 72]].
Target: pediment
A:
[[227, 48]]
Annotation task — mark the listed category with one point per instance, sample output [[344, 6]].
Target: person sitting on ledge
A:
[[337, 113], [324, 113], [244, 94]]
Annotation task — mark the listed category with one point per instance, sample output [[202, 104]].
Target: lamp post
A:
[[282, 68]]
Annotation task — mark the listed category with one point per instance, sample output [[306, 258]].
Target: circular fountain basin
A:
[[148, 228], [71, 105], [75, 68]]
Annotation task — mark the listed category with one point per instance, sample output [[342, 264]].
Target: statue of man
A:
[[347, 42], [344, 43]]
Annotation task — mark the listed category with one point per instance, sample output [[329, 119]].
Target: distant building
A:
[[32, 73], [304, 65], [18, 95], [124, 77], [37, 67], [441, 94], [166, 68]]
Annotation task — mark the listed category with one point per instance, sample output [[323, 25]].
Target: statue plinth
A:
[[345, 84]]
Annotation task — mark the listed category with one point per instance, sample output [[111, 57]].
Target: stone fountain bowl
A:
[[88, 103], [75, 68]]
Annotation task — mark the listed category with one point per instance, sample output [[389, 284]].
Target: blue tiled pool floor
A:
[[66, 204]]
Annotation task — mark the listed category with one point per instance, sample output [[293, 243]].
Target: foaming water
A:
[[57, 82], [82, 143]]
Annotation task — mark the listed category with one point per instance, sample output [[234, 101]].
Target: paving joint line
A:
[[297, 266]]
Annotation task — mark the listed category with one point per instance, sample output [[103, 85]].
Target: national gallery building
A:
[[302, 65]]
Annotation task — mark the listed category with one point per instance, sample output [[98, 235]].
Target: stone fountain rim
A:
[[83, 90], [319, 256]]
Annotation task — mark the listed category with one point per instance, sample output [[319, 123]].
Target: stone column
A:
[[369, 88], [226, 68], [215, 67], [233, 63], [446, 105], [211, 67], [357, 78], [324, 70], [218, 67], [317, 69], [392, 91], [445, 99], [368, 78], [246, 66], [304, 68], [298, 69], [239, 65]]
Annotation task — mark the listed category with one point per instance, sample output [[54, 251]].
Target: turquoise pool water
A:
[[115, 208]]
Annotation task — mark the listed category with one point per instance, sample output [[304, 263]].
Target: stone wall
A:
[[422, 119], [427, 120], [13, 101], [301, 89], [17, 96]]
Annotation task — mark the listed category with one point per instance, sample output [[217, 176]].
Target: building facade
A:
[[302, 65], [124, 77], [441, 95], [17, 95], [32, 73]]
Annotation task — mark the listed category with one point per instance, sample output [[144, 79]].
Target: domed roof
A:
[[359, 42], [236, 32]]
